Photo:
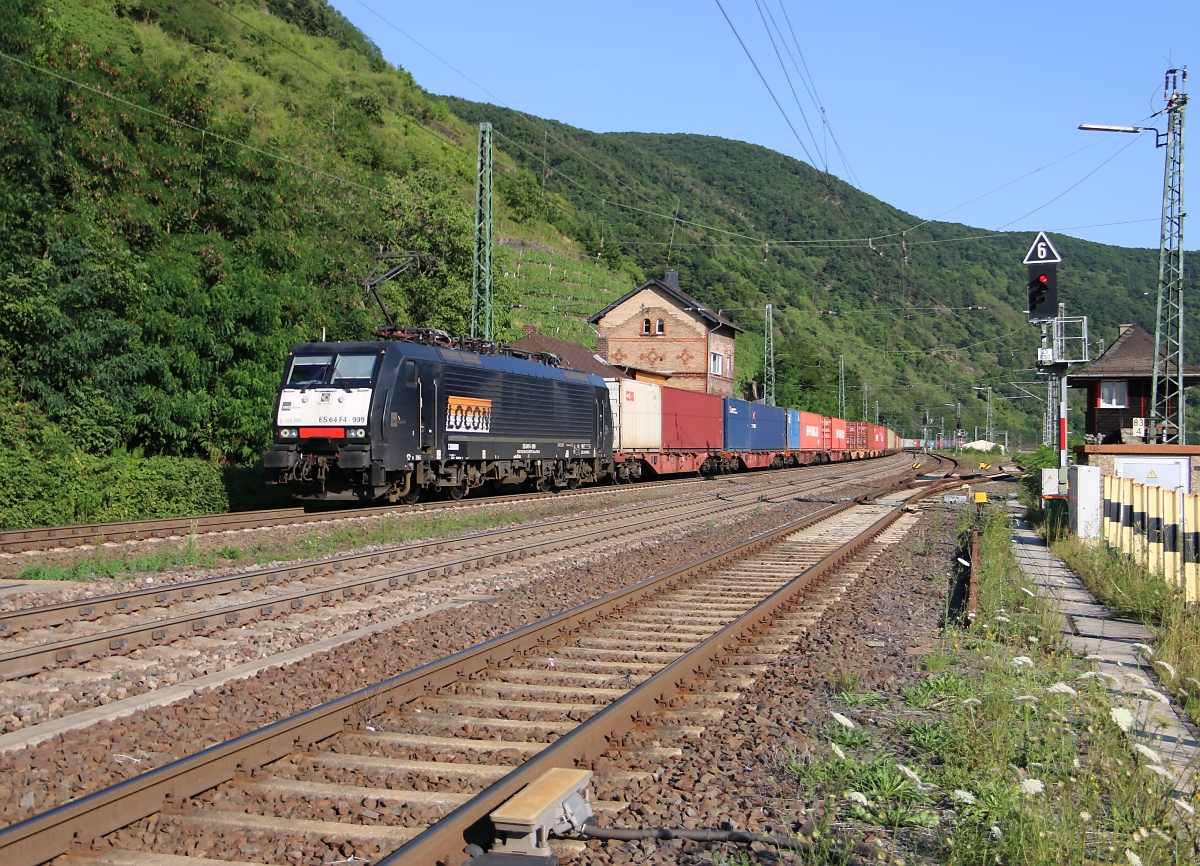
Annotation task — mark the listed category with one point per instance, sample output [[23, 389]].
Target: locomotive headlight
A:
[[356, 434], [288, 432]]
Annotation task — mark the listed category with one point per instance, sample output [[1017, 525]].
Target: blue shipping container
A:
[[793, 429], [754, 427]]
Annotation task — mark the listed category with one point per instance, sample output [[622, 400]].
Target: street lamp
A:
[[1101, 127], [1168, 405]]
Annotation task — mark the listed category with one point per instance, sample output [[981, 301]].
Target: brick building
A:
[[656, 327], [1119, 386]]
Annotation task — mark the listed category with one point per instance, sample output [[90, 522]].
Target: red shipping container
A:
[[810, 432], [856, 434], [691, 420], [839, 435], [878, 437]]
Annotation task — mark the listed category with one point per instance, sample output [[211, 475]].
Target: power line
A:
[[536, 120], [788, 78], [193, 127], [285, 47], [817, 99], [765, 84], [1072, 186]]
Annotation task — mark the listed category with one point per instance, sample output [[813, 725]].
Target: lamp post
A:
[[1167, 400]]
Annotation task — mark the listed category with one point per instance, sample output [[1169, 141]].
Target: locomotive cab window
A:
[[341, 370], [353, 370], [410, 372], [309, 370]]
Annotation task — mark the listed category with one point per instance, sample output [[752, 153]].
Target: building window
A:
[[1114, 395], [646, 326], [716, 363], [658, 327]]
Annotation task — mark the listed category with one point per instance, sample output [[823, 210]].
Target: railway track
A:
[[70, 633], [415, 765], [77, 535], [61, 537]]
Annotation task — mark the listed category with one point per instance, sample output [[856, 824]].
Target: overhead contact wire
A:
[[762, 78]]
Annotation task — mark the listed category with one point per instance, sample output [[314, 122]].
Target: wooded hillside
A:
[[187, 188]]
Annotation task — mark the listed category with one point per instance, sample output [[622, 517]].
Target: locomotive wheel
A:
[[411, 497], [457, 493], [572, 483], [543, 485]]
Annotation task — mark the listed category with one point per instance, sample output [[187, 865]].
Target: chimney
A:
[[1124, 328], [530, 330], [602, 347], [671, 278]]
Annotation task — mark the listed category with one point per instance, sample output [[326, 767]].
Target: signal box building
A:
[[659, 329], [1119, 386]]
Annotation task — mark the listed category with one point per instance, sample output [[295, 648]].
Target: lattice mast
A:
[[481, 274], [1167, 394], [1050, 416], [842, 386], [769, 358]]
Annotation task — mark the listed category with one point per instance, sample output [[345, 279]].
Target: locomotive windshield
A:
[[340, 370]]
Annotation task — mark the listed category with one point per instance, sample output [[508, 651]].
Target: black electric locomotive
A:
[[393, 419]]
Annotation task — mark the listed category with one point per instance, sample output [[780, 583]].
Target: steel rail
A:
[[75, 649], [74, 535], [44, 616], [444, 842], [80, 822]]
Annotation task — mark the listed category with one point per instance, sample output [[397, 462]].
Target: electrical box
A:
[[1173, 473], [1086, 501], [1050, 481]]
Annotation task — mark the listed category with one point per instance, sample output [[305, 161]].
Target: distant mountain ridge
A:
[[205, 183], [835, 268]]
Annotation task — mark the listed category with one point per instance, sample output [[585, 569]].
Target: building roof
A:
[[686, 302], [575, 356], [1130, 357]]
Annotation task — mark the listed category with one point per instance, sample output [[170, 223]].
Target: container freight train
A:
[[404, 418]]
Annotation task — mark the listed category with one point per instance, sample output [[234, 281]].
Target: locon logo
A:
[[468, 415]]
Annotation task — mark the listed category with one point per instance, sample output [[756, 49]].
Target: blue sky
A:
[[932, 103]]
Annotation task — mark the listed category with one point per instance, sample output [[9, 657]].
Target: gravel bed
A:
[[64, 691], [280, 537], [79, 762], [736, 775]]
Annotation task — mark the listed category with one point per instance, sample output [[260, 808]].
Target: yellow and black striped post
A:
[[1154, 528], [1125, 542], [1138, 549], [1171, 570], [1191, 547], [1106, 510]]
